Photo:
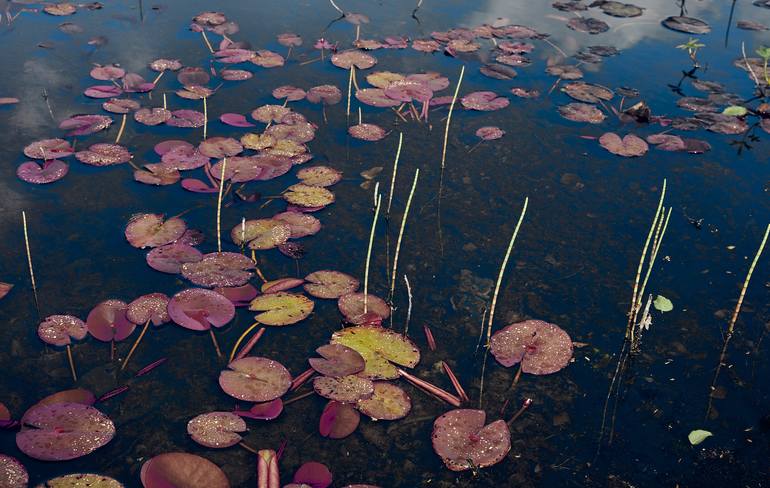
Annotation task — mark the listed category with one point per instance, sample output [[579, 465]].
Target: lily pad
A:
[[220, 147], [152, 307], [389, 402], [688, 25], [281, 308], [235, 120], [180, 469], [289, 92], [200, 309], [281, 284], [542, 348], [381, 348], [103, 154], [261, 234], [48, 149], [108, 322], [463, 442], [338, 420], [263, 411], [582, 112], [59, 330], [588, 25], [629, 146], [81, 480], [216, 429], [490, 133], [587, 92], [300, 224], [663, 304], [12, 473], [697, 436], [308, 196], [152, 116], [345, 389], [319, 176], [376, 98], [219, 269], [120, 105], [352, 307], [63, 431], [150, 230], [484, 100], [330, 284], [353, 57], [367, 132], [326, 94], [48, 172], [255, 379], [338, 360], [619, 9], [171, 257]]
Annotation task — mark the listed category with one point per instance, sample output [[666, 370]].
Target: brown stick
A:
[[72, 364], [214, 341], [136, 343]]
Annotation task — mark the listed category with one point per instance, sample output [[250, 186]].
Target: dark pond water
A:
[[573, 263]]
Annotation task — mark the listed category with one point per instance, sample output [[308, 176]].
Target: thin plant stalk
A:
[[401, 232], [241, 338], [136, 344], [122, 127], [157, 78], [524, 407], [72, 364], [409, 305], [734, 318], [219, 206], [369, 253], [165, 106], [29, 262], [250, 344], [214, 341], [206, 40], [205, 118], [350, 90], [336, 7], [449, 117], [395, 170]]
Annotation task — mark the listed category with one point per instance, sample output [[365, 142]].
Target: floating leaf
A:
[[59, 330], [179, 469], [463, 442], [663, 304], [380, 348], [152, 116], [48, 149], [241, 296], [542, 348], [308, 196], [588, 25], [281, 308], [171, 257], [300, 224], [587, 92], [352, 307], [338, 360], [83, 125], [346, 389], [314, 475], [689, 25], [261, 234], [120, 105], [330, 284], [220, 147], [255, 379], [735, 110], [281, 284], [367, 132], [263, 411], [60, 9], [5, 288], [151, 307], [12, 473], [48, 172], [290, 93], [216, 429], [353, 57], [490, 133], [150, 230], [697, 436], [389, 402], [268, 59], [484, 100], [104, 155], [338, 420], [629, 146], [81, 480], [326, 94], [199, 309], [319, 176], [235, 120], [581, 112], [108, 322], [219, 269]]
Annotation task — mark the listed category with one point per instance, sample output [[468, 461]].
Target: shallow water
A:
[[573, 263]]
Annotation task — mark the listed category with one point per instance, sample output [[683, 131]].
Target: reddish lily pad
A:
[[565, 71], [220, 147], [261, 234], [389, 402], [12, 473], [582, 112], [103, 91], [484, 100], [498, 71], [367, 132], [463, 442], [281, 284], [629, 146], [542, 348], [353, 57], [152, 116], [235, 120], [79, 480], [314, 475], [59, 330], [185, 157], [289, 39], [120, 105], [290, 93], [152, 307], [108, 322], [219, 269], [150, 230], [216, 429], [171, 257], [281, 308], [352, 307], [338, 420], [180, 469], [346, 389], [48, 149], [160, 174], [5, 288], [338, 360], [426, 45], [63, 431], [330, 284], [163, 64], [300, 224], [587, 92], [376, 98], [236, 74], [326, 94], [255, 379], [263, 411], [199, 309], [268, 59], [37, 174], [104, 154], [83, 125], [490, 133], [241, 296]]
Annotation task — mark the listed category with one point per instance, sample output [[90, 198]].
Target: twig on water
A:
[[219, 206], [72, 363], [136, 344], [29, 262], [733, 319], [409, 305], [401, 233], [120, 131], [369, 251], [205, 118], [206, 40]]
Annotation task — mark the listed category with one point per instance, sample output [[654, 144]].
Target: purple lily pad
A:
[[289, 39], [220, 147], [120, 105], [255, 379], [290, 93], [389, 402], [346, 389], [177, 469], [159, 174], [235, 74], [338, 420], [59, 330], [268, 114], [135, 83], [103, 91], [542, 348], [484, 100], [152, 307], [5, 288], [108, 72], [83, 125], [63, 431], [164, 147], [48, 149], [216, 429], [463, 442], [193, 76], [300, 225], [162, 64], [338, 360], [104, 154], [12, 473], [198, 186], [353, 57], [406, 91], [200, 309], [490, 133], [268, 59], [263, 411], [629, 146], [313, 474], [367, 132], [152, 116], [171, 257], [235, 120], [48, 172], [281, 284], [108, 322], [330, 284], [185, 157], [219, 269], [376, 98], [326, 94], [587, 92], [189, 119], [352, 308], [582, 112], [150, 230], [241, 296]]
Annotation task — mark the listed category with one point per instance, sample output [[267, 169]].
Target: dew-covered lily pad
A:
[[120, 105], [326, 94], [389, 402], [463, 442], [235, 120], [330, 284], [281, 308], [37, 174], [376, 98], [289, 92], [281, 284], [582, 112], [152, 116], [367, 132], [688, 25], [381, 348], [308, 196], [484, 100], [184, 157], [59, 330], [149, 308], [629, 146], [261, 234], [255, 379], [319, 176], [60, 9], [216, 429], [542, 348], [12, 473], [82, 480], [150, 230], [83, 125], [180, 469], [108, 322], [353, 57], [345, 389], [565, 71], [338, 360], [104, 154], [199, 309], [489, 133], [220, 147], [48, 149], [219, 269], [338, 420], [63, 431], [171, 257], [352, 308], [300, 224]]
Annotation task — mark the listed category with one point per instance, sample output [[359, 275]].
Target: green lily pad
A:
[[663, 304], [697, 436]]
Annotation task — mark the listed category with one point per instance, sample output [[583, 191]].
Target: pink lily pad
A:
[[12, 473], [235, 74], [353, 57], [261, 234], [8, 101], [629, 146], [406, 91], [162, 64], [290, 93], [235, 120], [220, 147], [330, 284], [60, 9], [346, 389], [83, 125], [216, 429], [326, 94], [108, 72], [300, 133], [289, 39], [5, 288], [234, 55], [197, 186], [263, 411], [219, 269], [269, 113], [463, 442], [338, 420], [108, 322], [352, 307], [48, 172], [103, 154], [389, 402], [185, 157], [542, 348], [164, 147], [281, 284], [149, 308], [300, 224], [490, 133], [103, 91], [582, 112], [268, 59], [171, 257], [150, 230], [159, 174], [120, 105], [63, 431], [134, 83], [59, 330], [199, 309], [426, 45], [48, 149], [313, 474], [189, 119], [484, 100], [255, 379], [367, 132], [152, 116], [193, 76], [376, 98], [338, 360], [241, 296], [180, 469]]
